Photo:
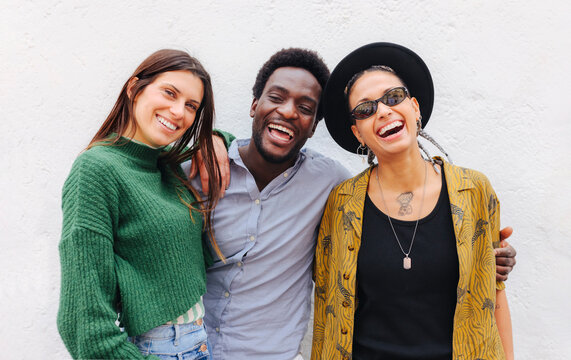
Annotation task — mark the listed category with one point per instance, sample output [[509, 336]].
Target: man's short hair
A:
[[294, 57]]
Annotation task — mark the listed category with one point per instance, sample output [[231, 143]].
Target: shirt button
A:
[[226, 294], [345, 304], [239, 264], [350, 248], [344, 331], [217, 329], [252, 238], [285, 174], [257, 201]]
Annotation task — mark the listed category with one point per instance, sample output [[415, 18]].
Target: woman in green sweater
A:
[[132, 261]]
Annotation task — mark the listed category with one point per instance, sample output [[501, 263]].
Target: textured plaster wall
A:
[[502, 85]]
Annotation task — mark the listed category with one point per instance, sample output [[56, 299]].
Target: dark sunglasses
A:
[[391, 98]]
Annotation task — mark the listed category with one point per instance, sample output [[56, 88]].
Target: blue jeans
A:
[[175, 342]]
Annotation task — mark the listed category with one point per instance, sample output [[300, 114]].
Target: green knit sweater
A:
[[128, 245]]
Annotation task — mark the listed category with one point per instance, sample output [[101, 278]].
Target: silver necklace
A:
[[406, 261]]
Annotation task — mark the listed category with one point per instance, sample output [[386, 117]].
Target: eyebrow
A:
[[284, 90], [178, 92]]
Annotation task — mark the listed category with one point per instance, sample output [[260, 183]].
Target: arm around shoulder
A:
[[221, 142], [226, 136]]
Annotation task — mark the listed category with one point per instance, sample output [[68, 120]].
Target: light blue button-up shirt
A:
[[258, 303]]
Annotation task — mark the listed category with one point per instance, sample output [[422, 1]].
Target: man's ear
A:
[[130, 84], [253, 107], [315, 122]]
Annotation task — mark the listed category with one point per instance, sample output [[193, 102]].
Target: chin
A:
[[277, 158]]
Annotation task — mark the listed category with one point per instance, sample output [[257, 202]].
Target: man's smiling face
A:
[[284, 115]]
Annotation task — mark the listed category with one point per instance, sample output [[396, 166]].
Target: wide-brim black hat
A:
[[408, 66]]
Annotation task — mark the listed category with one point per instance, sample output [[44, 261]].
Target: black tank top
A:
[[406, 314]]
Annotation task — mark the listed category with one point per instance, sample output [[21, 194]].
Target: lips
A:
[[169, 125], [280, 132], [391, 129]]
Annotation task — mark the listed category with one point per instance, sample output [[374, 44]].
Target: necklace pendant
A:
[[407, 263]]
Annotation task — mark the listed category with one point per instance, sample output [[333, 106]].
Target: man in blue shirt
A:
[[259, 301]]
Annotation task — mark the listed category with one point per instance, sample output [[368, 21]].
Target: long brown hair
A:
[[199, 134]]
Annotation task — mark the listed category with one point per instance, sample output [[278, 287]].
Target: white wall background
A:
[[502, 106]]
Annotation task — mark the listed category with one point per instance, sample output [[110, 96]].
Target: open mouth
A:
[[280, 132], [167, 123], [391, 129]]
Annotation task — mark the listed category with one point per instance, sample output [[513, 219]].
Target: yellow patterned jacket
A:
[[476, 217]]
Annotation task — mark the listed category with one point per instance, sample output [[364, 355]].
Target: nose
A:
[[177, 109], [287, 109], [383, 110]]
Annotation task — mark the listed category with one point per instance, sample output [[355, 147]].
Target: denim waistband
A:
[[172, 331]]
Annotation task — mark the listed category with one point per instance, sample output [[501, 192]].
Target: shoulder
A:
[[466, 173], [325, 165], [318, 158], [351, 185], [456, 175], [97, 156], [94, 165], [352, 188], [91, 187]]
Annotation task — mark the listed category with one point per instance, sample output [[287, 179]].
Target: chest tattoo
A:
[[404, 200]]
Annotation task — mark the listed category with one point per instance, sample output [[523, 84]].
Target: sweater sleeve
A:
[[89, 291]]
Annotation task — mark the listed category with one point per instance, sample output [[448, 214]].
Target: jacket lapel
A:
[[354, 198]]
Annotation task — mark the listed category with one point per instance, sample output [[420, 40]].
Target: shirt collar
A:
[[278, 183]]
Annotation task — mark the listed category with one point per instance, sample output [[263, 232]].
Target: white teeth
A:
[[281, 128], [390, 127], [166, 123]]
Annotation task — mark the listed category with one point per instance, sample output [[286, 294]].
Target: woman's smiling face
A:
[[392, 129], [167, 107]]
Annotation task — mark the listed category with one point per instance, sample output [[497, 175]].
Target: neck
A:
[[402, 172], [262, 170]]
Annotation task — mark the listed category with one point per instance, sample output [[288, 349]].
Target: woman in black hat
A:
[[405, 263]]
